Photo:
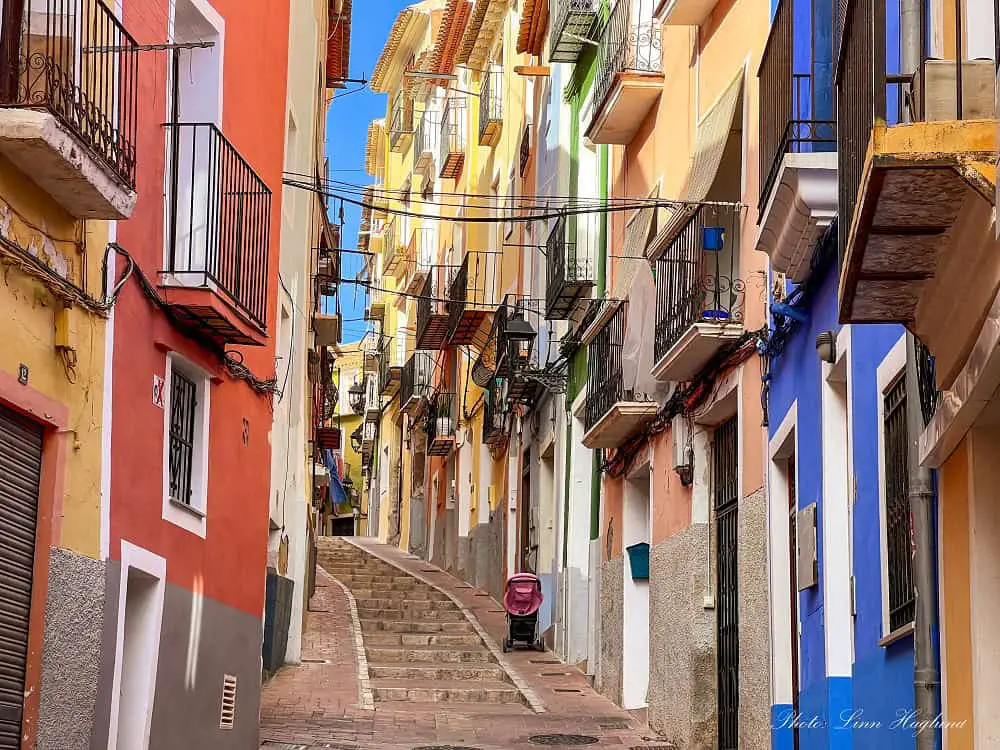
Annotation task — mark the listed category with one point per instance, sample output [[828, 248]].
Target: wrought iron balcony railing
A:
[[75, 59], [472, 297], [572, 22], [605, 377], [432, 309], [491, 106], [422, 250], [219, 214], [428, 140], [630, 43], [416, 380], [390, 366], [695, 284], [441, 419], [393, 254], [570, 276], [787, 113], [401, 123], [453, 139], [871, 87], [496, 407]]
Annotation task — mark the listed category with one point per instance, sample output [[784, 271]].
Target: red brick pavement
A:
[[314, 706]]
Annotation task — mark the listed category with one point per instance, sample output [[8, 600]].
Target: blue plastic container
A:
[[638, 556], [713, 239]]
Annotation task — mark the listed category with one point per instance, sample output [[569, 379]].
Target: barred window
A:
[[897, 509], [183, 405]]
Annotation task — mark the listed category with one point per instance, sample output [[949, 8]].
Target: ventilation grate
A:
[[563, 740], [228, 714]]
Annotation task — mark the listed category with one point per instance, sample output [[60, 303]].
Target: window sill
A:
[[897, 635], [187, 509]]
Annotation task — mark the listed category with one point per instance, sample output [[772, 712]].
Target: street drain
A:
[[554, 674], [315, 661], [544, 661], [567, 690], [445, 747], [614, 725], [563, 740], [481, 593]]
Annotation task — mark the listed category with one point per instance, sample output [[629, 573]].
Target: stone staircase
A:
[[419, 645]]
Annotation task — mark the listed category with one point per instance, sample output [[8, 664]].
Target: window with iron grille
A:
[[897, 509], [183, 407]]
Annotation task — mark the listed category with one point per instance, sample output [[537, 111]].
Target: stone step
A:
[[406, 604], [437, 673], [407, 626], [388, 638], [413, 595], [365, 578], [429, 654], [385, 586], [409, 615], [444, 692]]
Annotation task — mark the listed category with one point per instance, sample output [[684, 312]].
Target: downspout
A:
[[926, 676]]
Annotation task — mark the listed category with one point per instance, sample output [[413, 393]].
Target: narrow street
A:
[[430, 673]]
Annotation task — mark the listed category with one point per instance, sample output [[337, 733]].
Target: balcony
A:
[[699, 295], [572, 23], [798, 160], [218, 232], [428, 144], [401, 124], [629, 74], [376, 305], [395, 251], [420, 256], [373, 399], [415, 383], [69, 104], [472, 298], [491, 106], [569, 276], [441, 425], [917, 155], [453, 140], [496, 407], [390, 367], [369, 431], [612, 411], [432, 310]]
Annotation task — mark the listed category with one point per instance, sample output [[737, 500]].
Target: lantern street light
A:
[[356, 397], [521, 336]]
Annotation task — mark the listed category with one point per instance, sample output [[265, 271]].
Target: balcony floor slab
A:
[[691, 353], [622, 420], [58, 162]]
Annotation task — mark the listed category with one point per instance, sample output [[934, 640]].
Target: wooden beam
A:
[[536, 71]]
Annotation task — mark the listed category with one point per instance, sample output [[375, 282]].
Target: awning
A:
[[534, 23], [710, 144], [637, 234]]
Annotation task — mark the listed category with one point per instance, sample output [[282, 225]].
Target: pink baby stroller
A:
[[522, 599]]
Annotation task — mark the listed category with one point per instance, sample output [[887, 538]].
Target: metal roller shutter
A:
[[20, 469]]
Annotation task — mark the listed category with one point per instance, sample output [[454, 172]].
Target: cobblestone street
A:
[[322, 702]]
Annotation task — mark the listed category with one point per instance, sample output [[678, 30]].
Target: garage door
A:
[[20, 468]]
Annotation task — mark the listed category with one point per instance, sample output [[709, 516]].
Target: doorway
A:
[[635, 540], [725, 496], [528, 557]]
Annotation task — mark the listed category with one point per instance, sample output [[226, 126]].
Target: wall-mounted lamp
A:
[[826, 347], [356, 397], [522, 335]]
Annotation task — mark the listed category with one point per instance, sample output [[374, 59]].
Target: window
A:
[[186, 445], [899, 561]]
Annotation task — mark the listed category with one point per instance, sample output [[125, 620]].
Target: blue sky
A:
[[347, 132]]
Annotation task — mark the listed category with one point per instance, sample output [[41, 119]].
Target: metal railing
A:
[[871, 87], [787, 124], [495, 410], [453, 138], [219, 218], [389, 359], [401, 121], [441, 416], [605, 378], [429, 134], [74, 59], [423, 248], [563, 265], [473, 286], [490, 103], [525, 153], [571, 20], [695, 284], [417, 376], [897, 507], [392, 246], [432, 302], [630, 43]]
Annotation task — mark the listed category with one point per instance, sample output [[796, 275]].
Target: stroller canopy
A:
[[523, 595]]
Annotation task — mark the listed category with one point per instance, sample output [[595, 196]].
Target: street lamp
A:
[[521, 335], [356, 438], [356, 397]]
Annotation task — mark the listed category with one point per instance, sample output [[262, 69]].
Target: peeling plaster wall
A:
[[682, 670], [609, 673]]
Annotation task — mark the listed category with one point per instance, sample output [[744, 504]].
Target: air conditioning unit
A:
[[937, 82]]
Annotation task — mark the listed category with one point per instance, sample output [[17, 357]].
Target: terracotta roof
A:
[[373, 147], [409, 23], [338, 43], [484, 23], [449, 36], [534, 22]]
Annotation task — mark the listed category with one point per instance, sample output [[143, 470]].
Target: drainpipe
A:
[[910, 39], [926, 677]]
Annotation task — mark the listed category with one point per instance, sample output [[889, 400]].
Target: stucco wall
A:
[[682, 670], [755, 660], [609, 674], [76, 617], [487, 552]]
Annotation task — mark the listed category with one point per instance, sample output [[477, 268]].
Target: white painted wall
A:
[[782, 446], [635, 648]]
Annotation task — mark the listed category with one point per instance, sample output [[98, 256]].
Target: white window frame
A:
[[891, 366], [191, 517]]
